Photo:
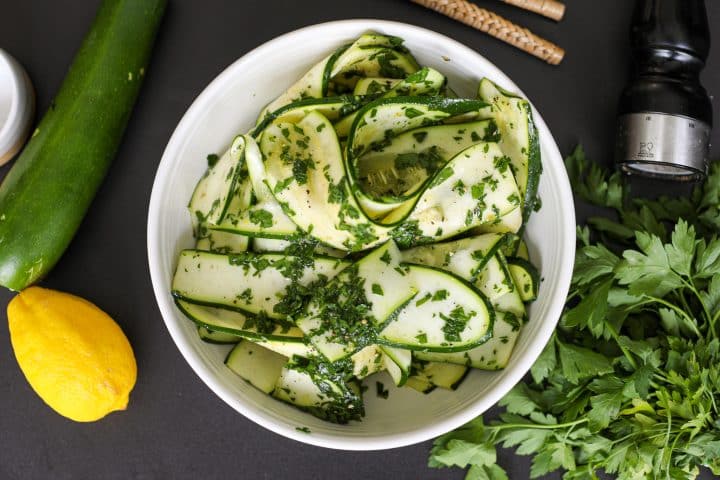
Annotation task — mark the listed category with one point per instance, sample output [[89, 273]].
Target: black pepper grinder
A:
[[665, 114]]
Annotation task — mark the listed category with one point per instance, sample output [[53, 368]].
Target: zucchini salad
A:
[[370, 221]]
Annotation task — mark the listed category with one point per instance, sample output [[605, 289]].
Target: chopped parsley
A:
[[261, 217], [409, 235], [212, 159], [344, 310], [502, 163], [282, 185], [387, 68], [300, 169], [381, 391], [336, 192], [440, 295], [260, 323], [429, 159], [469, 218], [420, 136], [411, 112], [455, 323], [442, 175], [246, 295], [424, 299], [459, 187], [478, 191]]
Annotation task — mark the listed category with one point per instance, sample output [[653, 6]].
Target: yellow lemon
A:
[[73, 354]]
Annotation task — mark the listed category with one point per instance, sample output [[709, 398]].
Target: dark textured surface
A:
[[175, 427]]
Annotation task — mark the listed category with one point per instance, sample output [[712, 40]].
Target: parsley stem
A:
[[681, 296], [625, 351], [539, 426], [672, 449], [669, 430], [711, 330], [678, 310], [697, 294]]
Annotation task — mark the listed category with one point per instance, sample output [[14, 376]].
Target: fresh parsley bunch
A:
[[630, 382]]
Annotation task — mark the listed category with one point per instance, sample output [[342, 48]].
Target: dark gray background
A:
[[175, 427]]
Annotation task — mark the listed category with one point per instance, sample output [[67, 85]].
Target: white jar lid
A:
[[17, 106]]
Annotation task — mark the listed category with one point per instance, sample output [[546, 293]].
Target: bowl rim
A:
[[513, 374]]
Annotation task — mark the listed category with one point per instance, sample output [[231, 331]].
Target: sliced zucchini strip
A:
[[375, 126], [474, 188], [367, 361], [222, 188], [396, 171], [464, 258], [314, 84], [266, 218], [444, 375], [420, 384], [447, 314], [321, 389], [214, 191], [425, 81], [380, 120], [258, 284], [511, 223], [495, 353], [472, 259], [371, 55], [229, 322], [525, 277], [220, 338], [257, 365], [288, 347], [518, 139], [304, 170], [223, 242], [333, 108], [397, 363], [374, 85]]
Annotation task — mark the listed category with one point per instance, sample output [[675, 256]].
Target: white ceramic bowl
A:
[[17, 106], [228, 106]]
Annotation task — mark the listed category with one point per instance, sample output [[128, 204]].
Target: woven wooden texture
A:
[[548, 8], [495, 25]]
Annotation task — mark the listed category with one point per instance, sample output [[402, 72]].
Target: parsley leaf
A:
[[486, 472], [648, 271], [546, 363], [579, 363]]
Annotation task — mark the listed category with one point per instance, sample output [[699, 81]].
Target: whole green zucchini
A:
[[46, 194]]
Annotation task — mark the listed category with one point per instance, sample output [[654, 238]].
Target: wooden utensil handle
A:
[[495, 25], [548, 8]]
